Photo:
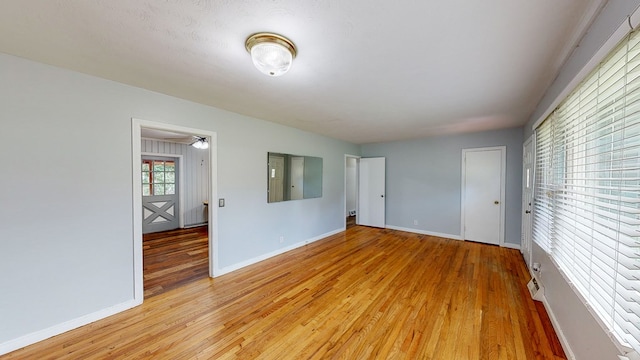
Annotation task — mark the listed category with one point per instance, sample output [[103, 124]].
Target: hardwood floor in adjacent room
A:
[[351, 221], [174, 258], [362, 294]]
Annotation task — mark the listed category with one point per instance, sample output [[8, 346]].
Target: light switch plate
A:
[[220, 202]]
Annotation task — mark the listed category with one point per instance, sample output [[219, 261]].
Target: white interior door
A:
[[527, 197], [483, 195], [371, 192]]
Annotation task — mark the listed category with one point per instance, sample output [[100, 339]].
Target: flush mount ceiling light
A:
[[200, 143], [272, 54]]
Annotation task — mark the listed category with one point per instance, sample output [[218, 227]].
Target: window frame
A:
[[151, 184]]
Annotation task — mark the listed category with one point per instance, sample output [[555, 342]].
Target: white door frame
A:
[[503, 159], [136, 155], [180, 182], [344, 210]]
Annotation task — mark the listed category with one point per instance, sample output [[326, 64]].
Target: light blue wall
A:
[[66, 240], [585, 337], [424, 180]]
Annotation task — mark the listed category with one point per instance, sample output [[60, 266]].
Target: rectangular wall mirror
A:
[[293, 177]]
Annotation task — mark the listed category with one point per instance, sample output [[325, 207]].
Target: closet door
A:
[[483, 195], [372, 192]]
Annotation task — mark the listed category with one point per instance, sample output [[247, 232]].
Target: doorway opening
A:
[[351, 190], [175, 232], [364, 191]]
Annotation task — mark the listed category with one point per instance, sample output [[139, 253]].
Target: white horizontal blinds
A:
[[542, 205], [590, 184], [603, 134], [626, 169]]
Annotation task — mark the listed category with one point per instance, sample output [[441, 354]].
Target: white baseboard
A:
[[556, 327], [448, 236], [423, 232], [190, 226], [257, 259], [43, 334], [511, 246]]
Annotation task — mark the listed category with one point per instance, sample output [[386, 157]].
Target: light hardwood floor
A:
[[362, 294]]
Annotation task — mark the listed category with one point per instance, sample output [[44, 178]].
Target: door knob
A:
[[496, 202], [527, 211], [381, 195]]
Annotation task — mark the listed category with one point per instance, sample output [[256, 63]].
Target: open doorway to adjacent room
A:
[[364, 192], [173, 168], [351, 190]]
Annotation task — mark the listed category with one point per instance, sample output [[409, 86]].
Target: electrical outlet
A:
[[415, 222], [281, 239]]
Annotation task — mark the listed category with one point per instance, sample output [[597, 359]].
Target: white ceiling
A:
[[169, 136], [366, 71]]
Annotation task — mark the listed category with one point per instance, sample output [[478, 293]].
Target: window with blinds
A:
[[587, 191]]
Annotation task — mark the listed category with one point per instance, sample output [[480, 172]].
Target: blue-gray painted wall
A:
[[78, 258], [424, 183]]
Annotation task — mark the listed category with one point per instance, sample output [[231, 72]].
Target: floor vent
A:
[[536, 291]]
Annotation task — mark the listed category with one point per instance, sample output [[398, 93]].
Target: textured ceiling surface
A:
[[366, 70]]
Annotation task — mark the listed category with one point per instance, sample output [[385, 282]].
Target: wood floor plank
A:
[[174, 258], [362, 294]]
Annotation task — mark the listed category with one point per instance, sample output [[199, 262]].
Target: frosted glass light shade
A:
[[271, 58], [272, 54]]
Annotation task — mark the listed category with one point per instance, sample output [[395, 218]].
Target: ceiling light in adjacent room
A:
[[201, 143], [272, 54]]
